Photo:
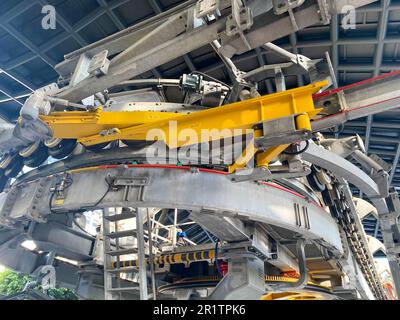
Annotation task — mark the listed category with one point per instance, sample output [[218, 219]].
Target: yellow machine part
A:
[[81, 124], [88, 127], [296, 295], [171, 258], [177, 130]]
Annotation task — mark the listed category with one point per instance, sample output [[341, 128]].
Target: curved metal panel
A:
[[189, 189], [345, 169]]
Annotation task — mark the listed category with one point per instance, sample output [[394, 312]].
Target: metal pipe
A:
[[227, 61], [174, 230], [365, 161], [302, 281], [140, 214], [149, 82], [280, 51], [152, 271], [11, 97]]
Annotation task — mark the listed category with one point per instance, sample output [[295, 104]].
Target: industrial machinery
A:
[[108, 175]]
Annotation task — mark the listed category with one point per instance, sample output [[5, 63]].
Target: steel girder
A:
[[151, 50]]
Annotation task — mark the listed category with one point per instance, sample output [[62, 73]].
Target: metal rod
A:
[[107, 259], [140, 214], [302, 281], [152, 271], [17, 97], [228, 62], [15, 79], [148, 82], [11, 97], [280, 51], [174, 228]]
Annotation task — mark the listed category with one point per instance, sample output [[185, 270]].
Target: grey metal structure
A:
[[295, 223], [369, 49]]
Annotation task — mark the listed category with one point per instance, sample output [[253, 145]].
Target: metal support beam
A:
[[368, 133], [11, 97], [27, 43], [158, 9], [376, 229], [334, 31], [262, 62], [110, 13], [140, 218], [107, 258], [394, 164], [382, 29]]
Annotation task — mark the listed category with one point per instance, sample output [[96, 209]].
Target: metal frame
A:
[[382, 30], [336, 40]]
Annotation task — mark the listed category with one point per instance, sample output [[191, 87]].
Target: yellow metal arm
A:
[[91, 128], [81, 124]]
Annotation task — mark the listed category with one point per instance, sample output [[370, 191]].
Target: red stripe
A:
[[211, 171], [358, 108], [360, 83]]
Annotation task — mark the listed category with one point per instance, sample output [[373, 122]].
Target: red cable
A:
[[212, 171], [329, 92]]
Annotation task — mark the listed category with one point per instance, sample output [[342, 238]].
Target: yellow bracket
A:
[[176, 130], [81, 124]]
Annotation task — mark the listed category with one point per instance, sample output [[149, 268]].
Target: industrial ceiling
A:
[[28, 54]]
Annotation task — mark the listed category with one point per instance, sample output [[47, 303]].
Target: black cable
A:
[[78, 225], [297, 152], [50, 201], [104, 195], [68, 182]]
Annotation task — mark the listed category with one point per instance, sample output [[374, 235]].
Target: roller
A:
[[34, 155], [60, 148]]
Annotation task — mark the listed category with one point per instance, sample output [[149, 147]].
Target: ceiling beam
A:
[[27, 43], [17, 10], [381, 34], [394, 164], [83, 23], [158, 9], [63, 23], [110, 13]]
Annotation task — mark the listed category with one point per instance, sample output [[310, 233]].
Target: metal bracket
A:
[[99, 64], [121, 181], [127, 182], [206, 7], [302, 281], [241, 19], [282, 6], [244, 280], [324, 11], [280, 82], [386, 166], [281, 131], [263, 173]]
